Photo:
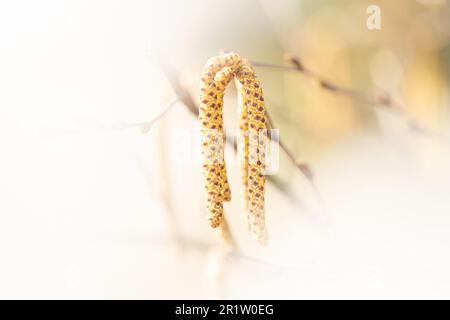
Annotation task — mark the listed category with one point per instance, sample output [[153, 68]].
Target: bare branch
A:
[[304, 168], [382, 100], [147, 125], [296, 66]]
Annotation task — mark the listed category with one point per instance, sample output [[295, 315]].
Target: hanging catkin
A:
[[216, 75]]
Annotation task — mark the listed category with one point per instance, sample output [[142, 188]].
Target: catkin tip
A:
[[214, 223]]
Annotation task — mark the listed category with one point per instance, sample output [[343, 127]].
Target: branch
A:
[[164, 185], [296, 66], [382, 100], [147, 125], [303, 167]]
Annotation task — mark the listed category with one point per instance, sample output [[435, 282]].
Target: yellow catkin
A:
[[216, 75]]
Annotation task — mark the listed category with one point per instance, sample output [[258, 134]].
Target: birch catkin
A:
[[216, 75]]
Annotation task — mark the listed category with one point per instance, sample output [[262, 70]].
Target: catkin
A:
[[216, 75]]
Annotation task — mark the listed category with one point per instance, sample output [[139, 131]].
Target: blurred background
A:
[[93, 207]]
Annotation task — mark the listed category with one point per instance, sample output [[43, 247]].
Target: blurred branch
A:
[[381, 100], [226, 236], [196, 245], [164, 184], [295, 65], [147, 125], [302, 166]]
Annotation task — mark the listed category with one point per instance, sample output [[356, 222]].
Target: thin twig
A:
[[302, 166], [297, 66], [383, 100], [147, 125], [226, 236], [164, 185]]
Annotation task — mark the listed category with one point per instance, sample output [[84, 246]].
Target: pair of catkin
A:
[[216, 75]]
